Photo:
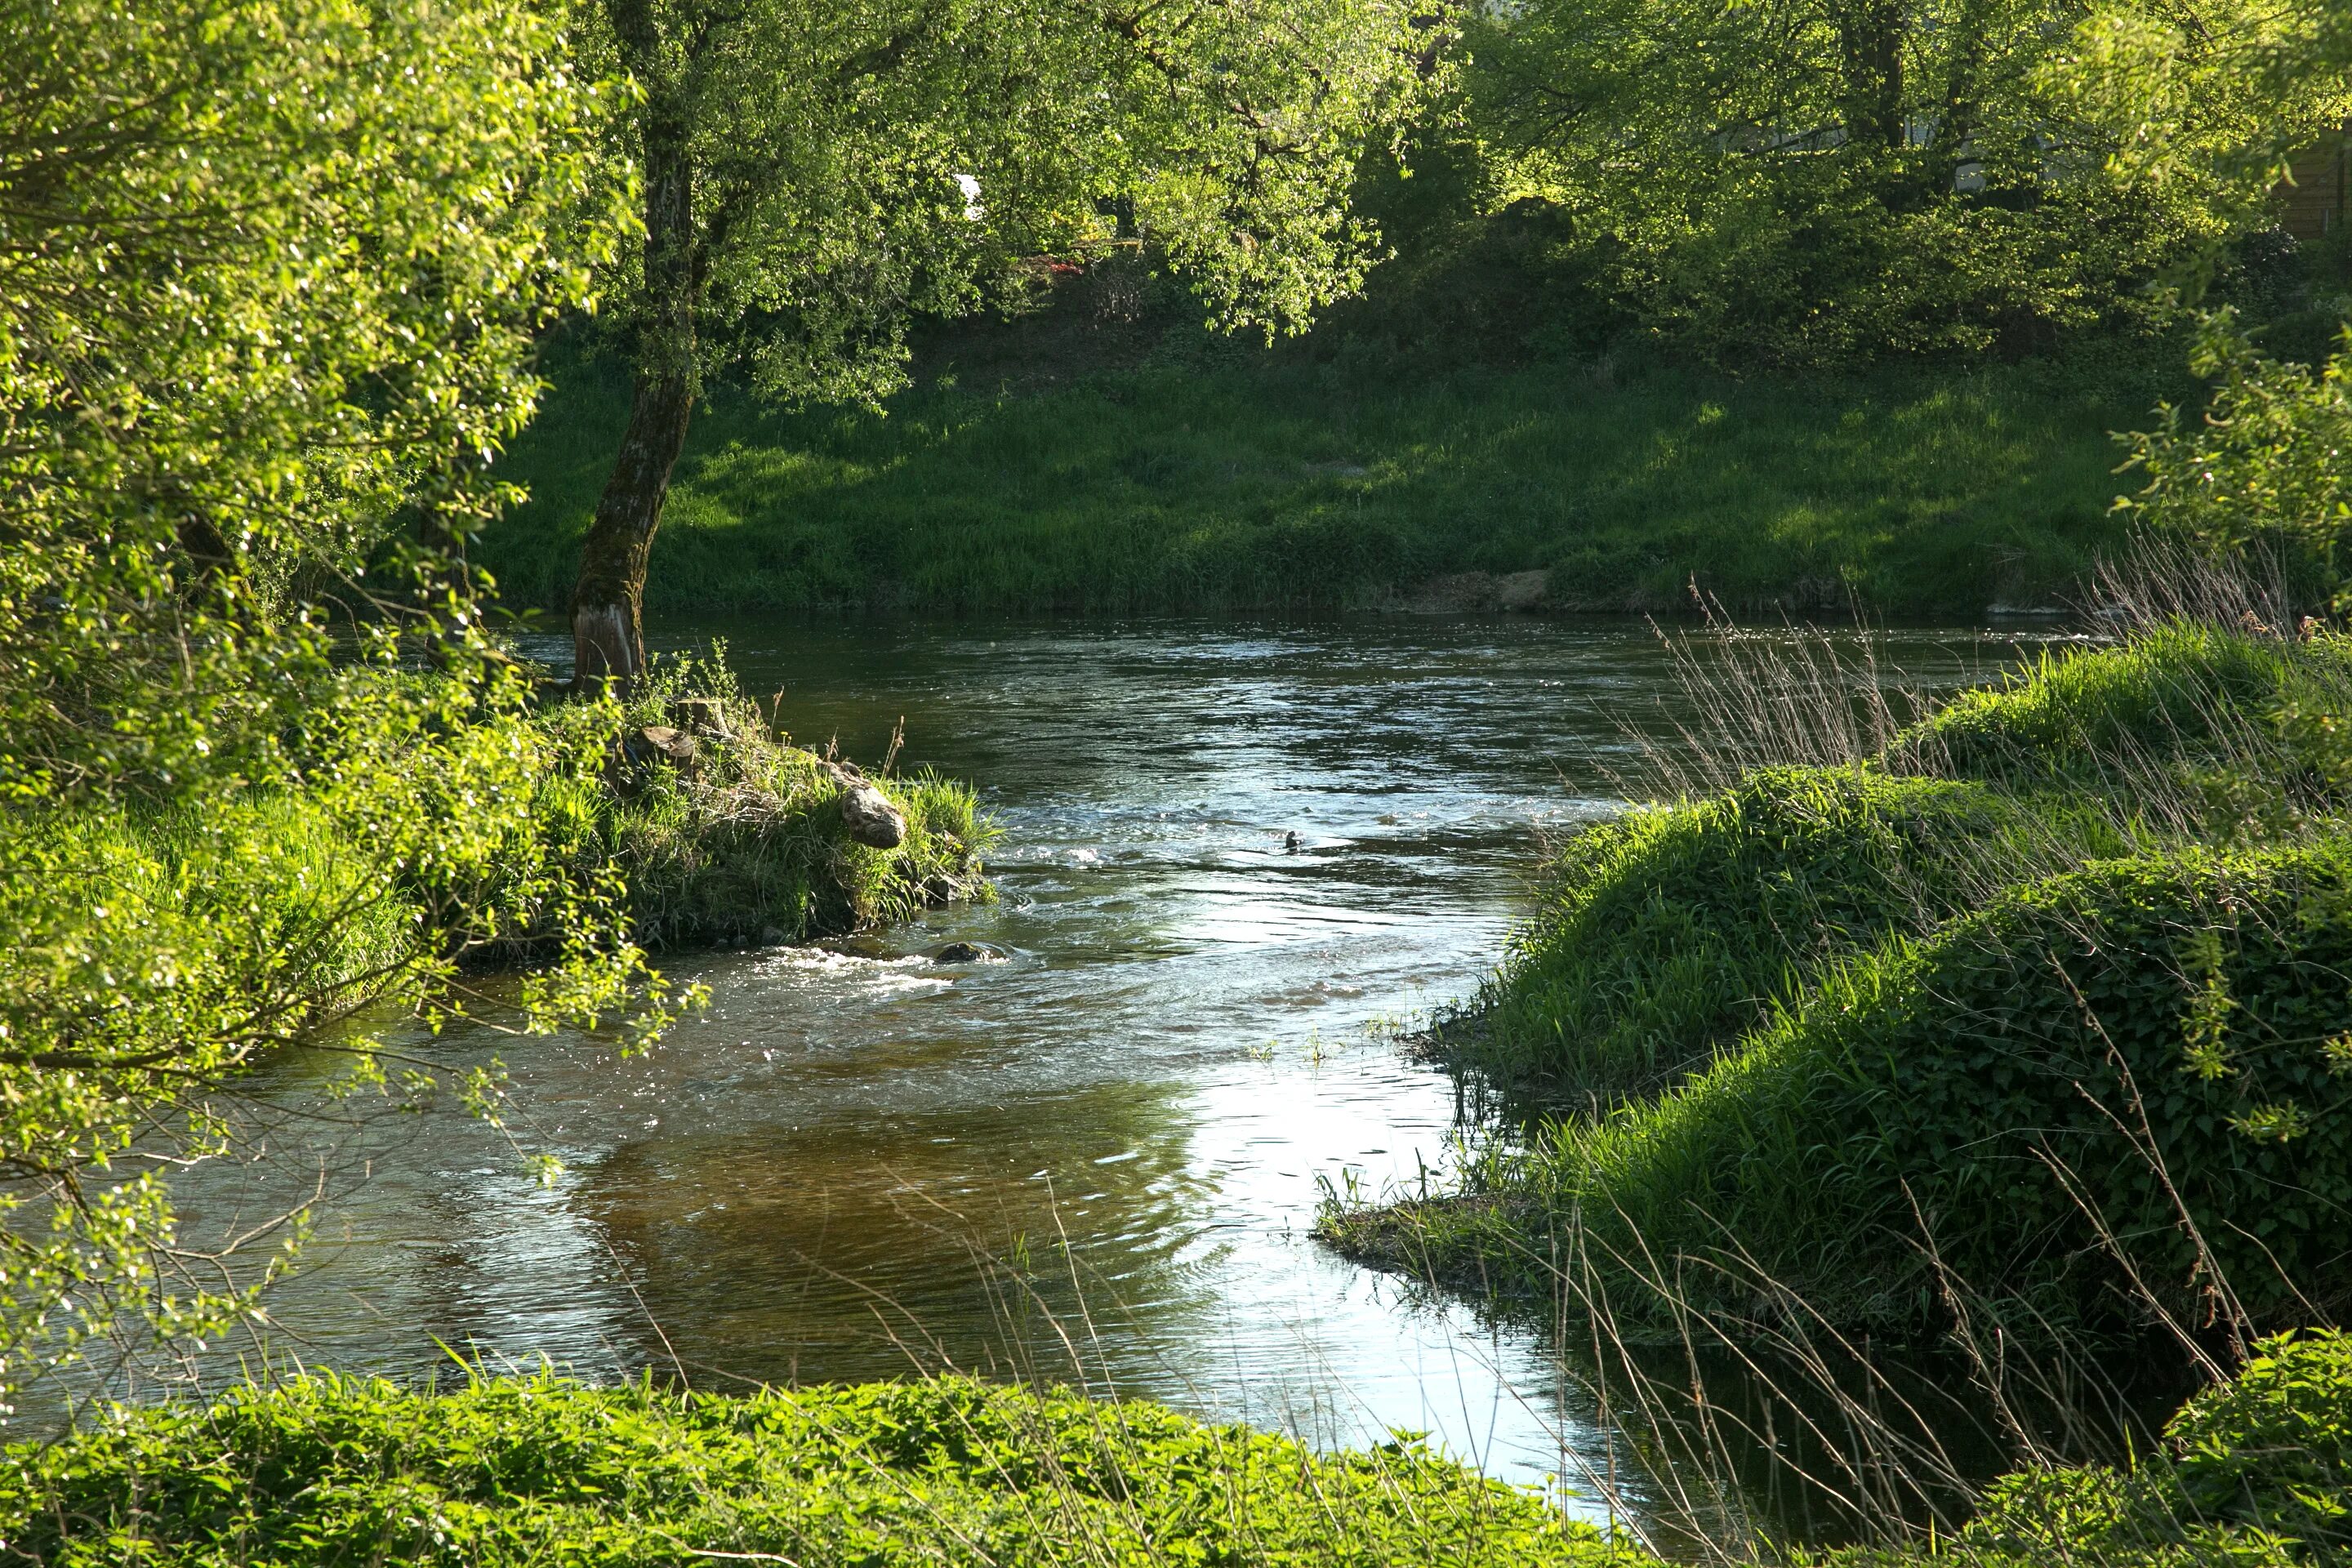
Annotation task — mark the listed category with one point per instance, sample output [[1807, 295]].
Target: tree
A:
[[270, 276], [2260, 469], [1805, 181], [270, 272], [815, 174]]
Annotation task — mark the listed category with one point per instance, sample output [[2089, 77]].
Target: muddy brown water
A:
[[1097, 1159]]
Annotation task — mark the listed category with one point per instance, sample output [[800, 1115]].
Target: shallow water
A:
[[1098, 1159]]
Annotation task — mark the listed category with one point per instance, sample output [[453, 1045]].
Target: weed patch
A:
[[532, 1471]]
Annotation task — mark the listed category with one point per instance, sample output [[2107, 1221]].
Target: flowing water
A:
[[1097, 1159]]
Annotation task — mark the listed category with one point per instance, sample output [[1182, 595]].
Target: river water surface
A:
[[1098, 1159]]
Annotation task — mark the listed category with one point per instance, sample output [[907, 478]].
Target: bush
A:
[[322, 1470]]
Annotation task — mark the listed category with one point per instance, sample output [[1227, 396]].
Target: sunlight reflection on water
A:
[[1096, 1159]]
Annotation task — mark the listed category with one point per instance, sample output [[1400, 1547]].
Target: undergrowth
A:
[[322, 1470]]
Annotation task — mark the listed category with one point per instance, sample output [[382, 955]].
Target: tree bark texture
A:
[[607, 603]]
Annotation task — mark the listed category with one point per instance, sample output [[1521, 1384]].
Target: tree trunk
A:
[[607, 622], [1871, 38], [607, 632]]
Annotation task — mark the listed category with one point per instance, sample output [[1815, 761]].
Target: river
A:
[[1098, 1159]]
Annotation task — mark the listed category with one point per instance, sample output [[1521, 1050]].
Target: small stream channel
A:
[[1096, 1159]]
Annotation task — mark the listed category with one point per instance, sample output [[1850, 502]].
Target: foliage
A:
[[270, 272], [2273, 1448], [850, 170], [2262, 471], [2254, 1470], [1793, 182], [2258, 472], [321, 1470]]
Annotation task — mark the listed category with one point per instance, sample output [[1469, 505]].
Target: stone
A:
[[771, 937], [872, 820], [960, 953]]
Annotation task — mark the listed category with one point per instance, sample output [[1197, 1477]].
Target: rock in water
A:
[[961, 952]]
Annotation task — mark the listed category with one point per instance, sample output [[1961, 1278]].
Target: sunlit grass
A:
[[1261, 482]]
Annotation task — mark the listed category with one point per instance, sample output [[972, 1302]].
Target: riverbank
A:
[[1033, 468], [2028, 1024], [494, 839], [322, 1470]]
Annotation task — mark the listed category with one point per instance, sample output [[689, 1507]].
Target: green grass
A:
[[519, 1472], [325, 1472], [2108, 1088], [748, 844], [1664, 935], [2173, 693], [1989, 1098], [1241, 479]]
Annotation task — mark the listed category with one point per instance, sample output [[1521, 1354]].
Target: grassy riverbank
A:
[[540, 1470], [2040, 1008], [1030, 469], [323, 1471], [276, 911]]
